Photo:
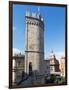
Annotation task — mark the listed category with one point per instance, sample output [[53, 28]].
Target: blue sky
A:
[[54, 27]]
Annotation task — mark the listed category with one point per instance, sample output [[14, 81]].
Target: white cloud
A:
[[16, 51], [59, 54]]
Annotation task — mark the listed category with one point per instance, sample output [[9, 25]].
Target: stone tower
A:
[[34, 54]]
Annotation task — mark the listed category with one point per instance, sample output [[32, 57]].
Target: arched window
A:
[[30, 68]]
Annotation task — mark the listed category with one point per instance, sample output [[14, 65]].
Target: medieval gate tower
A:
[[34, 54]]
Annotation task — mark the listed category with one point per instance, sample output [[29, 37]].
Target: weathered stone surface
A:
[[34, 44]]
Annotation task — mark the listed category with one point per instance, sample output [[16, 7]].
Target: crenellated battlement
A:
[[34, 15], [34, 19]]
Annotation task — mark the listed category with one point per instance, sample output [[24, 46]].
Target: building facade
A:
[[62, 66], [54, 64], [18, 67], [46, 68]]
